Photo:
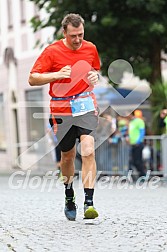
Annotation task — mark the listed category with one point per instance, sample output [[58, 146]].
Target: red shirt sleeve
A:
[[96, 62], [43, 63]]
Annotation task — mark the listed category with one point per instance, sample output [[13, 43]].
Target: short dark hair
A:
[[72, 18]]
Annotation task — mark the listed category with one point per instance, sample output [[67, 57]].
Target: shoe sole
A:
[[70, 219], [91, 213]]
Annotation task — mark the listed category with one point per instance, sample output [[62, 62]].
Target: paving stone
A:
[[130, 220]]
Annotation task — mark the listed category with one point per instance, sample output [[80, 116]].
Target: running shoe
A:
[[70, 208], [90, 212]]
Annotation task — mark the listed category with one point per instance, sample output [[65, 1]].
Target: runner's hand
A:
[[93, 77], [65, 72]]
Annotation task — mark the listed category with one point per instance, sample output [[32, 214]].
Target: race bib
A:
[[81, 106]]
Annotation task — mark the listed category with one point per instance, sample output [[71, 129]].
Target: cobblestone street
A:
[[130, 220]]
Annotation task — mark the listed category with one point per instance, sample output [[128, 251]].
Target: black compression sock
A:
[[89, 196], [69, 192]]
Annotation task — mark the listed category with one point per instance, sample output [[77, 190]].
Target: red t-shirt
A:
[[56, 56]]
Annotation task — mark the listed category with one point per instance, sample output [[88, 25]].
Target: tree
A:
[[133, 30]]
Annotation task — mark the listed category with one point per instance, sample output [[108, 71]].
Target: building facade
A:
[[18, 100], [24, 110]]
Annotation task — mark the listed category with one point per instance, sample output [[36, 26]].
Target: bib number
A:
[[81, 106]]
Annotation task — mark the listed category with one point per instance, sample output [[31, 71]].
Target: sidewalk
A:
[[130, 220]]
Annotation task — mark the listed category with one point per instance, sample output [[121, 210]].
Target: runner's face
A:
[[74, 36]]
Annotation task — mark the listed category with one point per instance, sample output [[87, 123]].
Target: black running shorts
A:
[[70, 128]]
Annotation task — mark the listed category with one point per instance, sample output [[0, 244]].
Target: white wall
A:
[[21, 39]]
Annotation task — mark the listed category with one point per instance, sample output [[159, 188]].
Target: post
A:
[[164, 156]]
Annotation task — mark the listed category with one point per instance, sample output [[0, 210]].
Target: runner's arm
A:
[[39, 79]]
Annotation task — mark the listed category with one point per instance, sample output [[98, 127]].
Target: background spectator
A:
[[136, 138], [163, 120]]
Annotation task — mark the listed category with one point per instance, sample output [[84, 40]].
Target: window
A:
[[10, 14], [36, 12], [3, 143], [22, 11], [35, 127]]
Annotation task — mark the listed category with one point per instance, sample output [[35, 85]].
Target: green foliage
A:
[[133, 30]]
